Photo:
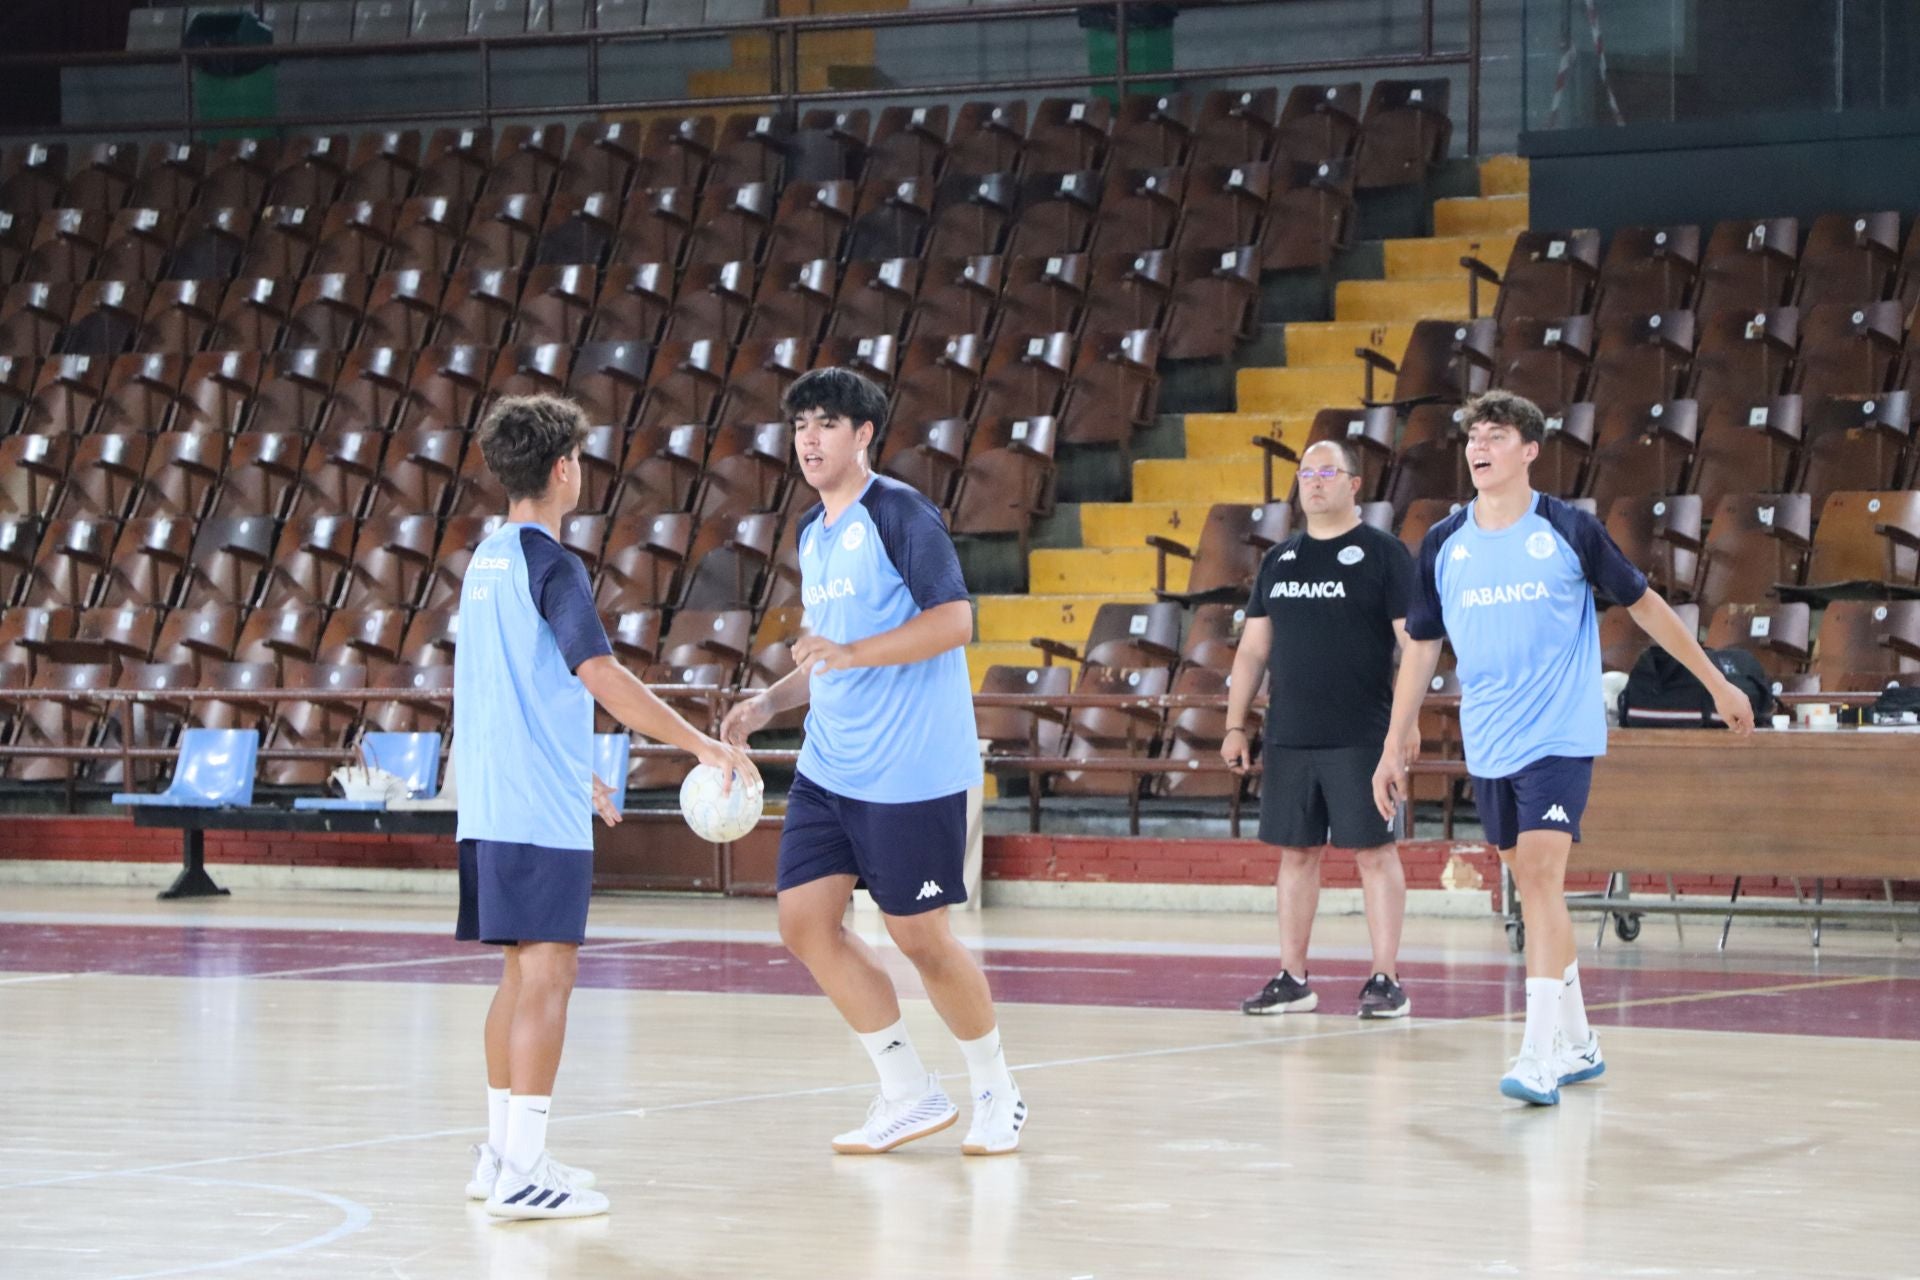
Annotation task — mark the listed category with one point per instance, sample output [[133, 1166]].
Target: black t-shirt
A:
[[1332, 604]]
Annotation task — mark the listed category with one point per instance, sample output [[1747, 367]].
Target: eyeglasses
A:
[[1323, 473]]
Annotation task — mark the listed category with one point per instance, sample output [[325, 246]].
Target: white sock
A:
[[986, 1064], [1543, 1017], [1573, 1006], [526, 1130], [497, 1118], [902, 1074]]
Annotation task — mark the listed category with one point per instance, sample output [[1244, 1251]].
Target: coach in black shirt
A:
[[1327, 608]]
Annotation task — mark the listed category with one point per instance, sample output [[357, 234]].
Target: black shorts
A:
[[1313, 796], [910, 857], [1548, 795], [515, 893]]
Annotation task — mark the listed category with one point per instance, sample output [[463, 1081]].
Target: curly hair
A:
[[523, 436], [838, 393], [1505, 409]]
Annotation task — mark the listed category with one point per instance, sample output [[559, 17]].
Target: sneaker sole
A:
[[1520, 1093], [976, 1149], [1401, 1012], [1307, 1005], [476, 1192], [1593, 1072], [850, 1149]]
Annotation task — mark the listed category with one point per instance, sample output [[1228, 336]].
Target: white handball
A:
[[721, 818]]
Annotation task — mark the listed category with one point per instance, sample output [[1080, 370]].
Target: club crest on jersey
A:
[[1352, 555], [1308, 591], [853, 537], [1540, 545]]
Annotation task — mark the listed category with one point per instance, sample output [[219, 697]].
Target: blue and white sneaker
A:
[[891, 1124], [1578, 1063], [1532, 1079]]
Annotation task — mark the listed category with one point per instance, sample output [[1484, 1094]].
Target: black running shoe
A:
[[1283, 994], [1383, 998]]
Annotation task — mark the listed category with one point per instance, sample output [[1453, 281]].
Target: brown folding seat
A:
[[1404, 133], [698, 636], [586, 537], [184, 468], [1432, 461], [66, 393], [1776, 634], [1641, 358], [1007, 481], [354, 238], [33, 179], [198, 637], [1847, 349], [65, 246], [1638, 450], [796, 298], [1648, 270], [532, 370], [251, 315], [478, 307], [106, 317], [32, 469], [33, 315], [732, 225], [1446, 360], [325, 723], [420, 468], [655, 226], [1215, 303], [240, 711], [875, 297], [1130, 291], [359, 636], [16, 238], [972, 214], [1849, 259], [811, 222], [938, 376], [1545, 360], [829, 144], [1749, 266], [555, 305], [337, 473], [1238, 126], [662, 468], [1043, 294], [770, 662], [1661, 535], [714, 301], [908, 142], [31, 637], [309, 171], [1141, 209], [633, 304], [447, 386], [1114, 389], [1109, 732], [502, 232], [456, 164], [401, 310], [54, 723], [1853, 442], [1225, 559], [1056, 214], [212, 241], [1421, 516], [609, 378], [151, 722], [1548, 273], [646, 556], [601, 156], [137, 244], [179, 315], [421, 713], [1214, 633], [282, 242], [578, 229], [462, 534], [1622, 641], [313, 552], [874, 357], [382, 166], [1868, 638], [373, 384], [1036, 728], [103, 177], [730, 562], [1026, 376], [762, 371], [169, 175], [926, 455], [18, 376], [326, 312], [891, 219], [70, 556], [1194, 735], [634, 634], [988, 137], [140, 393], [685, 383], [1067, 134], [958, 295], [676, 152], [224, 566], [431, 638], [1866, 544], [751, 148], [147, 561], [296, 392], [1744, 355], [526, 159], [1756, 541], [1153, 131], [1309, 214], [428, 235]]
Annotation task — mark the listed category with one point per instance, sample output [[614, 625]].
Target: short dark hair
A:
[[1349, 461], [523, 436], [838, 393], [1505, 409]]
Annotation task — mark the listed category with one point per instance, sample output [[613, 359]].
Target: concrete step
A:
[[1406, 300], [1332, 342], [1294, 390], [1116, 570], [1230, 435], [1204, 480], [1475, 214], [1438, 257], [1503, 176], [1017, 619], [1130, 524]]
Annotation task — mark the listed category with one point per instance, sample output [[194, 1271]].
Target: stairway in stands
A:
[[1422, 279]]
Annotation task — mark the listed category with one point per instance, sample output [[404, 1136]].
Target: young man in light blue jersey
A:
[[880, 796], [531, 662], [1510, 580]]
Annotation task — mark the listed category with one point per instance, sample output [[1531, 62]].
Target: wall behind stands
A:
[[1799, 165]]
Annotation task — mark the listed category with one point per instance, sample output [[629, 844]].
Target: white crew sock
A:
[[902, 1074], [987, 1064], [497, 1118], [1573, 1006], [526, 1131], [1543, 1017]]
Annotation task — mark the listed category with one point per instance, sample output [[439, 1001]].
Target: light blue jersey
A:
[[523, 722], [887, 735], [1518, 606]]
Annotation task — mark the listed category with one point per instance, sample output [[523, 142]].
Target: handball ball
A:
[[721, 818]]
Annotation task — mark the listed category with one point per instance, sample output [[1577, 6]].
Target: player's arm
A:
[[1249, 663], [1419, 659], [1656, 617], [640, 709], [927, 634], [750, 715]]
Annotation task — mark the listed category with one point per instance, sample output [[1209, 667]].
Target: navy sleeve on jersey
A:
[[563, 593], [1613, 577], [918, 544], [1400, 576], [1424, 620]]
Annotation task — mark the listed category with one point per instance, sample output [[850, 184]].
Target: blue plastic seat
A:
[[214, 770], [612, 753], [412, 757]]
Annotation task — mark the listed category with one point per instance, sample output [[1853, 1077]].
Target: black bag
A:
[[1897, 704], [1662, 694]]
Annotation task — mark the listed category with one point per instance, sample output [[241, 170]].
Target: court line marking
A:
[[34, 977], [1696, 997], [586, 948], [357, 1218]]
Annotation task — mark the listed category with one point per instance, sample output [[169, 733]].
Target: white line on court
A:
[[357, 1217]]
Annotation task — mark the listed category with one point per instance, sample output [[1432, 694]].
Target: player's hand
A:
[[1734, 707], [748, 716], [817, 655], [603, 803], [729, 760], [1390, 788], [1237, 752]]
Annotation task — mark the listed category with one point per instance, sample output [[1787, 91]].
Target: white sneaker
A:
[[1578, 1063], [997, 1121], [1532, 1079], [542, 1192], [890, 1124], [486, 1172]]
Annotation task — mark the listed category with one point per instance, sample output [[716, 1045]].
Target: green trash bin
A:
[[1149, 45], [237, 87]]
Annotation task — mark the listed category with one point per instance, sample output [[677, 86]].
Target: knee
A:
[[927, 948], [806, 936], [551, 974], [1373, 862], [1300, 861]]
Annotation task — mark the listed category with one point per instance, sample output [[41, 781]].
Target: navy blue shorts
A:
[[515, 893], [910, 857], [1548, 795]]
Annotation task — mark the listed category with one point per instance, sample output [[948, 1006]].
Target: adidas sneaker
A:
[[997, 1121], [890, 1124], [542, 1192], [486, 1172]]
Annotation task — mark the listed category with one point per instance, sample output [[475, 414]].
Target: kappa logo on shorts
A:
[[928, 890], [1556, 814]]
